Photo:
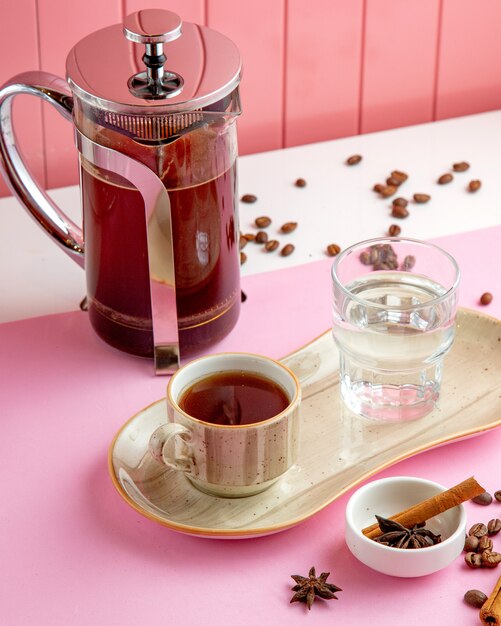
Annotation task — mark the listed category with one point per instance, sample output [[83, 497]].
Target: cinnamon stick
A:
[[490, 613], [426, 509]]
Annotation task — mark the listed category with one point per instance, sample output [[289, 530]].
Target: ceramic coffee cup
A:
[[230, 459]]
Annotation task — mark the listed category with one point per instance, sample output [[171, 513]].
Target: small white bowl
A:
[[387, 497]]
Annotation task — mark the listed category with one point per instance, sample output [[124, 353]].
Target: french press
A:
[[154, 103]]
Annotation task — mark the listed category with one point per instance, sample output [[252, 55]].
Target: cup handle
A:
[[163, 447]]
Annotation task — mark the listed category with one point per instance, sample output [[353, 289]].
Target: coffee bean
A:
[[478, 530], [391, 180], [249, 198], [365, 259], [250, 236], [388, 191], [333, 249], [490, 559], [242, 242], [261, 237], [287, 250], [421, 198], [475, 598], [288, 227], [471, 543], [271, 245], [484, 499], [394, 230], [497, 495], [462, 166], [243, 258], [408, 262], [445, 179], [262, 222], [374, 254], [400, 202], [300, 182], [400, 176], [494, 526], [378, 188], [472, 559], [486, 298], [354, 159], [474, 185], [485, 543], [399, 212]]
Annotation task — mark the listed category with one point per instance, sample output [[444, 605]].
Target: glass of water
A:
[[394, 309]]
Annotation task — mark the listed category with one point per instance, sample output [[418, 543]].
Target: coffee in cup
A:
[[233, 423]]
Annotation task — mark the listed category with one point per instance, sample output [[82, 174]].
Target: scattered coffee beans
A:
[[287, 250], [400, 176], [243, 258], [475, 598], [462, 166], [399, 212], [391, 180], [474, 185], [300, 182], [262, 222], [472, 559], [354, 159], [394, 230], [479, 547], [400, 202], [497, 495], [378, 188], [471, 543], [333, 249], [486, 298], [250, 236], [445, 179], [271, 245], [421, 198], [484, 499], [478, 530], [249, 198], [288, 227], [242, 242], [261, 237]]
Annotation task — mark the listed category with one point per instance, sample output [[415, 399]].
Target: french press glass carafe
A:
[[154, 104]]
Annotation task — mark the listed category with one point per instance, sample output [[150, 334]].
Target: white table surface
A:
[[337, 205]]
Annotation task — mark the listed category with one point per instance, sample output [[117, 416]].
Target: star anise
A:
[[308, 588], [397, 536]]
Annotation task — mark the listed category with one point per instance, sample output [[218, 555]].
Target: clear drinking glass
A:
[[394, 309]]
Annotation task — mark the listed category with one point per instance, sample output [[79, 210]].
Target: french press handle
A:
[[41, 207]]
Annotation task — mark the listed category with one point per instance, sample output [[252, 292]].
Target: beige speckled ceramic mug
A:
[[229, 460]]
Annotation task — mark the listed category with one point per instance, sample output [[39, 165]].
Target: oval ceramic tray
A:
[[338, 449]]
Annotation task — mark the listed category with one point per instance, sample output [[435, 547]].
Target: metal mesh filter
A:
[[153, 128]]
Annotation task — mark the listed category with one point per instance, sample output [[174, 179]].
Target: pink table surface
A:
[[72, 552]]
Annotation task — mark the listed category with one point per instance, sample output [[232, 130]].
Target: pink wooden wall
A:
[[313, 69]]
